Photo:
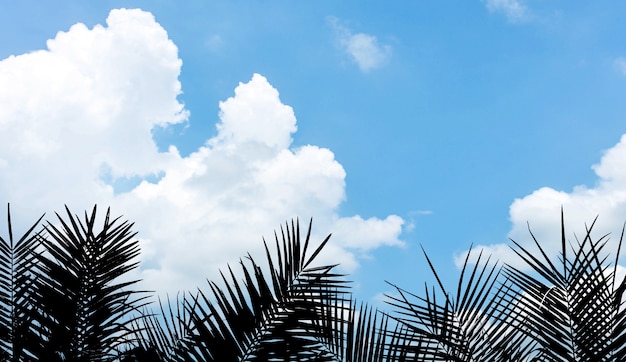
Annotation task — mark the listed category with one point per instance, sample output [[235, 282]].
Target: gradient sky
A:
[[419, 123]]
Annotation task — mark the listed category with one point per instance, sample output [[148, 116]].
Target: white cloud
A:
[[541, 210], [87, 102], [365, 234], [364, 49], [78, 115], [255, 114], [514, 10]]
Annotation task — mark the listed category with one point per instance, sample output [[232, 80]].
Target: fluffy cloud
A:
[[78, 116], [82, 106], [514, 10], [541, 210], [364, 49]]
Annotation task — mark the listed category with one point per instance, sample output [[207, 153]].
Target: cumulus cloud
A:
[[514, 10], [364, 49], [84, 106], [541, 210], [77, 116]]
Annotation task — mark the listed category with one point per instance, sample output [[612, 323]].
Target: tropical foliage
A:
[[66, 294], [60, 290]]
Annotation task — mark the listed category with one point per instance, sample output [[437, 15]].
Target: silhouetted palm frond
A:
[[275, 318], [83, 300], [289, 311], [357, 334], [472, 325], [163, 334], [17, 274], [573, 308]]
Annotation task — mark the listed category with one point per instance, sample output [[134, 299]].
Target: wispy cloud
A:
[[214, 42], [514, 10], [364, 49], [620, 65]]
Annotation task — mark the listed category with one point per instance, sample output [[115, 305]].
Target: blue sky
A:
[[433, 123]]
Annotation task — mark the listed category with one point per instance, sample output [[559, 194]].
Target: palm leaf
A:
[[576, 314], [300, 312], [275, 318], [17, 273], [471, 325], [85, 308], [160, 335], [362, 334]]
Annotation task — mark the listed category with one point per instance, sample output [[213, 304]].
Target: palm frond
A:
[[162, 334], [573, 310], [85, 305], [17, 274], [265, 319], [471, 325], [300, 312], [279, 313], [374, 337]]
